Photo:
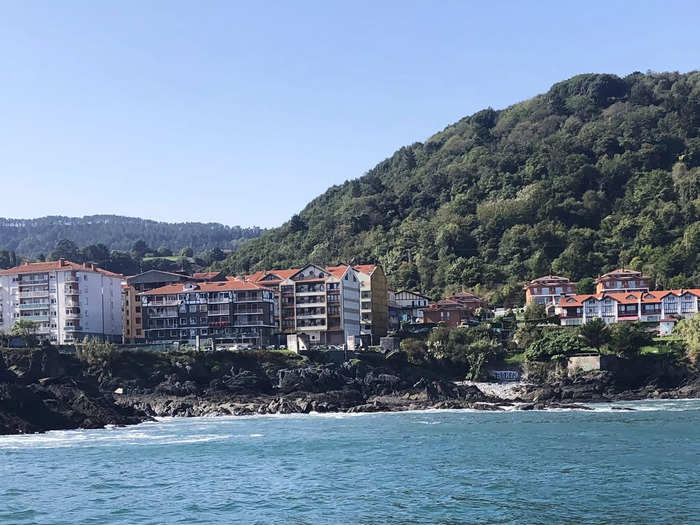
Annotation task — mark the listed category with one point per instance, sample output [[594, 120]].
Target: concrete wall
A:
[[586, 363]]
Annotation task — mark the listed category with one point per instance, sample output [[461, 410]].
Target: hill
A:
[[598, 172], [31, 237]]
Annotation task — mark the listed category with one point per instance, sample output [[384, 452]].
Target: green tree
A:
[[585, 286], [26, 330], [187, 252], [554, 343], [140, 248], [688, 330], [627, 339], [66, 249], [595, 333]]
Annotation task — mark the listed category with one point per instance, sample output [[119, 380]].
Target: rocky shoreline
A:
[[41, 389]]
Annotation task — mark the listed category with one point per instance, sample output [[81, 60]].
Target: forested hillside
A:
[[599, 172], [31, 237]]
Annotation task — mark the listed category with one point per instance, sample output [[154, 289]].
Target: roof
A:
[[623, 274], [365, 268], [52, 266], [280, 274], [624, 297], [215, 286], [132, 278], [337, 271], [204, 276], [550, 278]]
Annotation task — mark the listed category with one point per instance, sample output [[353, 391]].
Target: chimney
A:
[[61, 262]]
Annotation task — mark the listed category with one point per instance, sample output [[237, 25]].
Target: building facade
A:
[[659, 306], [67, 301], [323, 303], [622, 280], [548, 290], [224, 311], [135, 284], [374, 311], [410, 305], [455, 310]]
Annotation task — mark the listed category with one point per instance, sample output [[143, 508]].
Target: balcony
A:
[[72, 328], [33, 306], [257, 311], [32, 282], [39, 293], [72, 291], [71, 279], [151, 302]]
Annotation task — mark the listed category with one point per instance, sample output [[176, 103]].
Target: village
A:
[[337, 307]]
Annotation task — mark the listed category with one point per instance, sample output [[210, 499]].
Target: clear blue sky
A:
[[241, 113]]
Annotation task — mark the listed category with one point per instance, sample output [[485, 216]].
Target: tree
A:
[[187, 252], [26, 330], [688, 330], [65, 249], [535, 313], [140, 248], [555, 343], [595, 333], [164, 251], [585, 286], [627, 339], [95, 253]]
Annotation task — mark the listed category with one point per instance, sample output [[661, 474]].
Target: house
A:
[[410, 305], [452, 311], [622, 280], [659, 306], [225, 311], [548, 290], [67, 301], [323, 303]]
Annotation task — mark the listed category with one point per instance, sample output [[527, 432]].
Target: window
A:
[[138, 331], [633, 284], [138, 309]]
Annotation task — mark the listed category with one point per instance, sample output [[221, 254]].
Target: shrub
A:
[[559, 342]]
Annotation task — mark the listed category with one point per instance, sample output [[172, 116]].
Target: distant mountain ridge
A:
[[31, 237]]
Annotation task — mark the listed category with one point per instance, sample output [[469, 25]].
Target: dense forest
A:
[[32, 237], [597, 173]]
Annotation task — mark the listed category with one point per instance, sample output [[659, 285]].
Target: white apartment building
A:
[[67, 301]]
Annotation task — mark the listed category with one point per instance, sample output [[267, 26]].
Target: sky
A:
[[242, 112]]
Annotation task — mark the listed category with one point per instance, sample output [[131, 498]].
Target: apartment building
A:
[[225, 311], [323, 303], [149, 280], [548, 290], [622, 280], [659, 306], [453, 311], [373, 300], [67, 301]]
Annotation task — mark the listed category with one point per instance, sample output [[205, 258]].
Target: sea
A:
[[531, 467]]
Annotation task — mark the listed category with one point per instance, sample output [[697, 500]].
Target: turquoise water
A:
[[420, 467]]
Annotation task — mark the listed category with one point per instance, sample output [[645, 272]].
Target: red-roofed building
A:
[[67, 301], [455, 310], [322, 303], [658, 306], [225, 311], [548, 290], [622, 280]]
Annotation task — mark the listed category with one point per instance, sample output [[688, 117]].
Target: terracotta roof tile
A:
[[52, 266], [215, 286]]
